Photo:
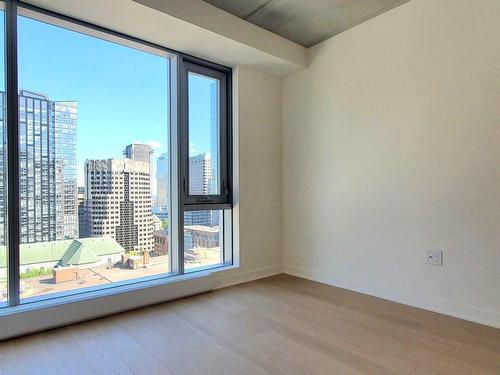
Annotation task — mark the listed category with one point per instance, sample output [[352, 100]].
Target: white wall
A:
[[391, 148], [258, 107]]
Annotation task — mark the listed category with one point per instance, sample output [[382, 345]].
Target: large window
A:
[[121, 167]]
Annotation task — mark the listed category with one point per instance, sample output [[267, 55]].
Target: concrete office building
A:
[[196, 236], [118, 202], [138, 152], [199, 184], [161, 242], [199, 174]]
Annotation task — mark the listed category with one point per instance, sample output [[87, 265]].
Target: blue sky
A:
[[122, 93]]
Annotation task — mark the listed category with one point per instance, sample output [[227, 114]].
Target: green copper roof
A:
[[54, 251], [77, 253]]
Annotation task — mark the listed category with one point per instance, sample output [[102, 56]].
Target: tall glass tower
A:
[[65, 121], [47, 169], [162, 180]]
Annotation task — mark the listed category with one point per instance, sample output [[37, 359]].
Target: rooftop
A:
[[201, 228], [81, 250]]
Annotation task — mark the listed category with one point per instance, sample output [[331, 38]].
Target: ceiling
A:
[[306, 22]]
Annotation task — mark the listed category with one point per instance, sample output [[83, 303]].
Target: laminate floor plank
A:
[[274, 326]]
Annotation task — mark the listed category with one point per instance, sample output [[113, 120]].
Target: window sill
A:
[[37, 303]]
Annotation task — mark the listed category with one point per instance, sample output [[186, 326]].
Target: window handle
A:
[[205, 199]]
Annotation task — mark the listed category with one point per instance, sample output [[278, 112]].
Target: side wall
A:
[[259, 205], [391, 148]]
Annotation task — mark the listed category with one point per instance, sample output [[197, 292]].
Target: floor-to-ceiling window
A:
[[122, 159]]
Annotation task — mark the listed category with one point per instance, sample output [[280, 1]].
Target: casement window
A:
[[115, 159], [205, 137]]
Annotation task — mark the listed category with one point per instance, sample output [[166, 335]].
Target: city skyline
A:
[[93, 149], [99, 122], [121, 100], [39, 51], [50, 202]]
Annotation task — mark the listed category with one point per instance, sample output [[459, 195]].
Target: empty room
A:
[[250, 187]]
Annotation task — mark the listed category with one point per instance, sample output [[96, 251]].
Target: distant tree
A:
[[164, 224]]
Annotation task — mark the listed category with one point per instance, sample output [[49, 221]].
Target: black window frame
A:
[[178, 164], [189, 64]]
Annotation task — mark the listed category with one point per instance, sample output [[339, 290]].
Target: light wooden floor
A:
[[279, 325]]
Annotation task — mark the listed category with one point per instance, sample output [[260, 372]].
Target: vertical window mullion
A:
[[181, 165], [12, 152]]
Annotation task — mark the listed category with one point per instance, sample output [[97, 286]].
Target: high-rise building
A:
[[47, 169], [83, 227], [65, 118], [202, 217], [118, 202], [138, 152], [199, 184], [162, 181], [199, 174], [201, 236]]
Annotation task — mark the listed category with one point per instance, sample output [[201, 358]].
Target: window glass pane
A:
[[3, 166], [93, 161], [203, 239], [203, 107]]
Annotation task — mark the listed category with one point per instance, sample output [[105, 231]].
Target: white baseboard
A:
[[441, 306], [223, 280]]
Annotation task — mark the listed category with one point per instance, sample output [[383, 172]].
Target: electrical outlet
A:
[[434, 257]]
